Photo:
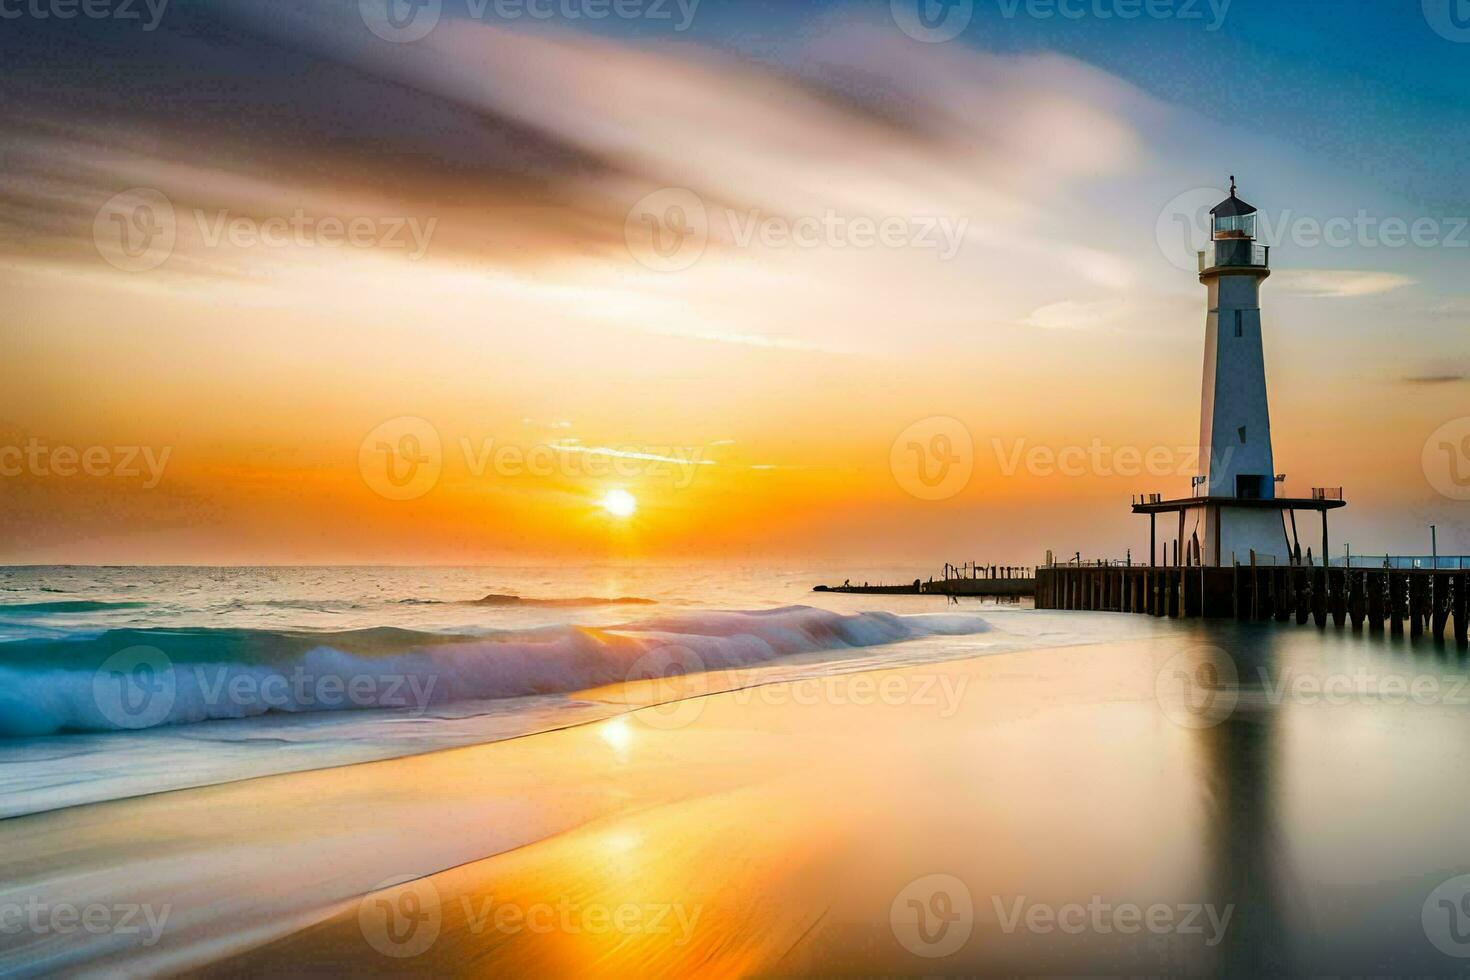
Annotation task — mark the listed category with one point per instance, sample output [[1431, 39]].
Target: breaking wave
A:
[[131, 679]]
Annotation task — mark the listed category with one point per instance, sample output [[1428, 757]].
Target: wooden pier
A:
[[985, 588], [990, 588], [915, 588], [970, 579], [1421, 601]]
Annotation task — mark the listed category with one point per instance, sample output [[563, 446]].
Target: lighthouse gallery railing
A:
[[1234, 253]]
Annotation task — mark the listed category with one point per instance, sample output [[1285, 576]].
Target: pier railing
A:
[[1317, 493], [1367, 562], [1089, 563], [1404, 562], [980, 570]]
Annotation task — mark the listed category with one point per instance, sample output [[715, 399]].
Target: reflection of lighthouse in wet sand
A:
[[1234, 512]]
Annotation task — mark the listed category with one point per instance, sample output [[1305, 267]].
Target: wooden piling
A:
[[1319, 598], [1374, 585], [1416, 605], [1337, 597], [1256, 588], [1357, 602], [1440, 605], [1462, 608], [1397, 603]]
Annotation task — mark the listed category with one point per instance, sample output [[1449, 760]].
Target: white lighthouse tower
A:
[[1233, 513], [1235, 420]]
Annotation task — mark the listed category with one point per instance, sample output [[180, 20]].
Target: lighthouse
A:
[[1235, 417], [1233, 513]]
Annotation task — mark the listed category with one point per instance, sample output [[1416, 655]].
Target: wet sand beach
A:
[[1198, 803]]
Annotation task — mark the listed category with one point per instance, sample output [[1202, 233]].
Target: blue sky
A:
[[1368, 85]]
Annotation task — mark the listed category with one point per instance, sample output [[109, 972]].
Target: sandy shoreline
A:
[[801, 824], [782, 831]]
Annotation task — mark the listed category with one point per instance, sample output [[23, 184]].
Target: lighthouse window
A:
[[1235, 226], [1241, 430], [1239, 323]]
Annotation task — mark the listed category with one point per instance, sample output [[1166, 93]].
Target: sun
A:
[[620, 503]]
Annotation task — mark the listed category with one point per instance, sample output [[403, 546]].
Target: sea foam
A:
[[132, 679]]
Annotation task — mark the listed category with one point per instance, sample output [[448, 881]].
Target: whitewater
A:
[[123, 682]]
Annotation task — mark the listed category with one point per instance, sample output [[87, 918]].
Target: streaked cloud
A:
[[1342, 283], [520, 173], [1074, 315], [1436, 379], [570, 446]]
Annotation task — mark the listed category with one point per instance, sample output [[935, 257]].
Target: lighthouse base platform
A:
[[1220, 532]]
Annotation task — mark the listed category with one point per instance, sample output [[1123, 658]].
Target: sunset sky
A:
[[445, 248]]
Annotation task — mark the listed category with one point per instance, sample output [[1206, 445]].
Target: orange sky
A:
[[538, 320]]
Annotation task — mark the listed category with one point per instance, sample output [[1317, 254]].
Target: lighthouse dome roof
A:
[[1231, 207]]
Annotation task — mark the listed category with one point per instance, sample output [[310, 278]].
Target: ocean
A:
[[123, 681], [1302, 785]]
